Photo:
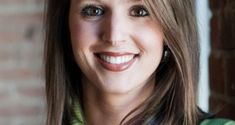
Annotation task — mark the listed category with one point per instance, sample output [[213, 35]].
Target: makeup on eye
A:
[[139, 11], [93, 10]]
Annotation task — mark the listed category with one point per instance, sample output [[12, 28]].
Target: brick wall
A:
[[222, 58], [22, 98], [22, 101]]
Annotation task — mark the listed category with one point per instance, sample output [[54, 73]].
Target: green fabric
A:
[[78, 120], [217, 121]]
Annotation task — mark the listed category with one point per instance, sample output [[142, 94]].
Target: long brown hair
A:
[[174, 98]]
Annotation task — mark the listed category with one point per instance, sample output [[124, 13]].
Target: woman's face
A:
[[115, 43]]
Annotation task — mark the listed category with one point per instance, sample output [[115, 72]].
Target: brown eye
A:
[[139, 11], [92, 10]]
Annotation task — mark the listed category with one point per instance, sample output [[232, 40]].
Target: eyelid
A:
[[87, 6], [139, 7], [93, 5]]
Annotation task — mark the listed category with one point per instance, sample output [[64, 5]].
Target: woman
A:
[[111, 62]]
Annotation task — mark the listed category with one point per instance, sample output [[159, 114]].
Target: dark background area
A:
[[222, 58]]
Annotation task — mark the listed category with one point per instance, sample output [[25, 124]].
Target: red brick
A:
[[222, 23], [18, 74], [222, 60], [217, 78], [230, 76], [217, 4], [12, 1], [228, 29], [222, 108], [18, 110], [215, 31], [16, 28], [3, 95], [36, 91], [21, 51]]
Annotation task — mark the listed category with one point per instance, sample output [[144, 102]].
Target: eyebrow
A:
[[134, 0], [123, 0]]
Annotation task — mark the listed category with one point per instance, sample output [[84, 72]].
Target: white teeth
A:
[[116, 60]]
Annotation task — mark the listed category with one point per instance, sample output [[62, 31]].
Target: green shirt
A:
[[78, 116], [216, 121]]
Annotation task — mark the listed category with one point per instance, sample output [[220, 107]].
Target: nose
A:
[[114, 29]]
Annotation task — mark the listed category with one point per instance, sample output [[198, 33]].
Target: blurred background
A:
[[22, 98]]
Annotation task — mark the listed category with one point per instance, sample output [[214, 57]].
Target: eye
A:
[[92, 10], [139, 11]]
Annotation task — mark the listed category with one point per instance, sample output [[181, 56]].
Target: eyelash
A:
[[139, 11], [88, 10], [91, 10]]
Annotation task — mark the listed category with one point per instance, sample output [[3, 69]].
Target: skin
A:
[[110, 96]]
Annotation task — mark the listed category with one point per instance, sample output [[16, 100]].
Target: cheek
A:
[[150, 40], [82, 37], [78, 38], [82, 34]]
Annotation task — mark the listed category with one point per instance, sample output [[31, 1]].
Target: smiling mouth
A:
[[116, 61]]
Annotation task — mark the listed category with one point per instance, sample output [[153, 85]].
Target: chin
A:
[[118, 87]]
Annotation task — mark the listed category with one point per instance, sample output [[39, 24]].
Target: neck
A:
[[105, 108]]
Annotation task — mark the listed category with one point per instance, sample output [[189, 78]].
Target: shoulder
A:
[[217, 121]]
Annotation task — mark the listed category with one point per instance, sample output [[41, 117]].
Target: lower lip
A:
[[116, 67]]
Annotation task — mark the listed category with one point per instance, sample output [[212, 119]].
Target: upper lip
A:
[[116, 53]]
